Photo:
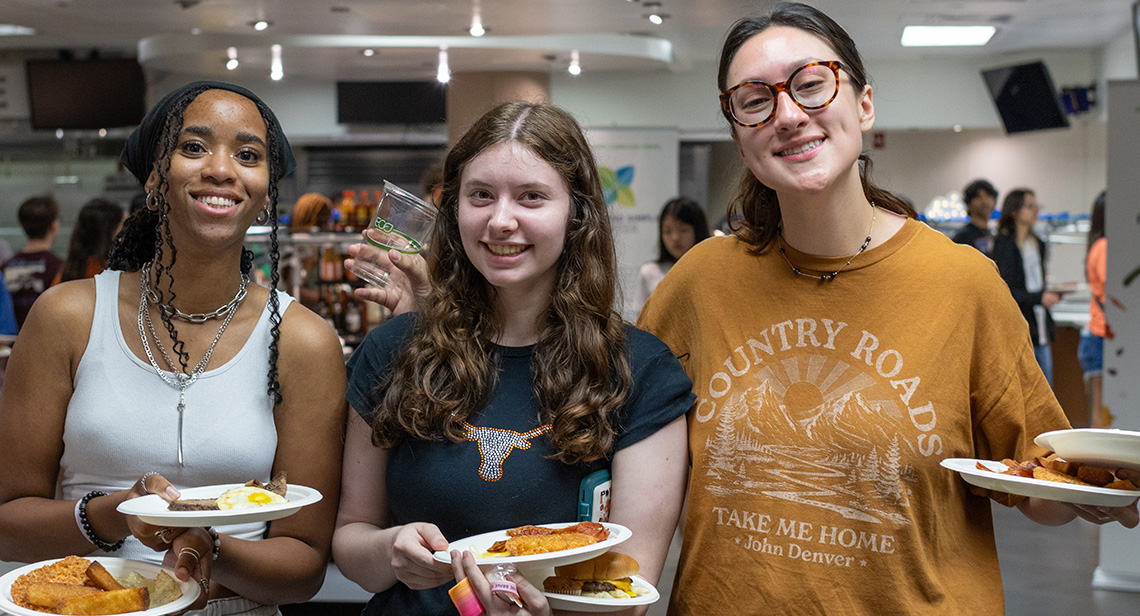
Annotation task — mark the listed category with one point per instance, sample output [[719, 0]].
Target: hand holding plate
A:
[[412, 560]]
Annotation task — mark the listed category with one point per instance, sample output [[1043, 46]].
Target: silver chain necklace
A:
[[181, 380], [831, 276], [195, 317]]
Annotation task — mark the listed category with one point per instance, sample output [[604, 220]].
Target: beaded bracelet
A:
[[81, 509], [217, 541]]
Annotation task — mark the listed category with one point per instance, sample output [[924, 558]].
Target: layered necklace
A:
[[827, 277], [180, 380]]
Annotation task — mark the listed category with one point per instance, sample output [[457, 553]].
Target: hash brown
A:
[[70, 570]]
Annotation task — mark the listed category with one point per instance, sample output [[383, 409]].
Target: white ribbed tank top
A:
[[122, 420]]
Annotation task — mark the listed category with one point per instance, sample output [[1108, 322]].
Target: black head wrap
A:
[[142, 144]]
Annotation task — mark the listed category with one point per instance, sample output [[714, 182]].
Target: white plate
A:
[[1095, 446], [480, 543], [591, 604], [115, 566], [1037, 488], [153, 510]]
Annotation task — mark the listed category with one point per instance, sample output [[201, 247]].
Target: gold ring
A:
[[191, 550], [205, 585], [162, 534]]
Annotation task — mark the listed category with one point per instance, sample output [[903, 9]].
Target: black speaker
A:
[[1025, 97]]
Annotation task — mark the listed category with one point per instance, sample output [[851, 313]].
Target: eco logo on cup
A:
[[390, 229]]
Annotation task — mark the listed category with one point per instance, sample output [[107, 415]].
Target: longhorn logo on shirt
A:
[[495, 444]]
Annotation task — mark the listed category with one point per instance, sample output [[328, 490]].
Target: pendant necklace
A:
[[830, 276], [180, 380]]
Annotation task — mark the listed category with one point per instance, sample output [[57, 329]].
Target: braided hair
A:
[[146, 236]]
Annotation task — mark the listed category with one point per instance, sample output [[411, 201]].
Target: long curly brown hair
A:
[[581, 370], [756, 207]]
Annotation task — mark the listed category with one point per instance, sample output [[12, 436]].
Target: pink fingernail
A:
[[173, 492]]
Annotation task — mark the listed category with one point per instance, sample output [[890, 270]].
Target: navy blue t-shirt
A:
[[502, 476]]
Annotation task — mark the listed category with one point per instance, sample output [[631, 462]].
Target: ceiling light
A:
[[195, 31], [655, 16], [575, 68], [368, 53], [260, 25], [232, 63], [14, 30], [477, 28], [946, 36], [59, 133], [276, 69], [102, 132], [443, 73]]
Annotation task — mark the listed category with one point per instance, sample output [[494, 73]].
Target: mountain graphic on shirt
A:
[[851, 422], [840, 450]]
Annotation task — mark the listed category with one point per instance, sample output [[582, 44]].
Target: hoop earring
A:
[[263, 217], [151, 201]]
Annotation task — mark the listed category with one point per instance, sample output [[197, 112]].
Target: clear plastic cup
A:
[[401, 222]]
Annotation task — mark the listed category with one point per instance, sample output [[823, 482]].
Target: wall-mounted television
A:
[[85, 94], [1025, 97], [391, 102]]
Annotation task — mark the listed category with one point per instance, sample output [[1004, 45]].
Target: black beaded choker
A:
[[830, 276]]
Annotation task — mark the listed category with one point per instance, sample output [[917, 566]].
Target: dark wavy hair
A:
[[977, 187], [687, 211], [146, 233], [1010, 206], [581, 371], [91, 237], [755, 205]]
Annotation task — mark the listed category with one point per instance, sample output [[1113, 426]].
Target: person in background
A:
[[8, 325], [98, 223], [681, 225], [311, 213], [172, 368], [1021, 256], [518, 344], [980, 197], [32, 270], [1091, 348], [825, 403]]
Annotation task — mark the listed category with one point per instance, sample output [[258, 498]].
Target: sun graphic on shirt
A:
[[801, 398], [804, 383]]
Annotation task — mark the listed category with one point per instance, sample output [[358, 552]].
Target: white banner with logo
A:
[[639, 171]]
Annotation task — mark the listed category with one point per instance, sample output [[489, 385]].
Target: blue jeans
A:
[[1091, 353], [1044, 355]]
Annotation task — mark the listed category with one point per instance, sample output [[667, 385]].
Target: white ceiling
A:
[[324, 38]]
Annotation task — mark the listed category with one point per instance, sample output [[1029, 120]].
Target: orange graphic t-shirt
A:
[[823, 410]]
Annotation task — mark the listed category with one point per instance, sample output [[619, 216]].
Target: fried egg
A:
[[248, 496]]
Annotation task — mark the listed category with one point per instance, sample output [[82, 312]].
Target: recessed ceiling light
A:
[[14, 30], [947, 36], [260, 25], [368, 53]]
